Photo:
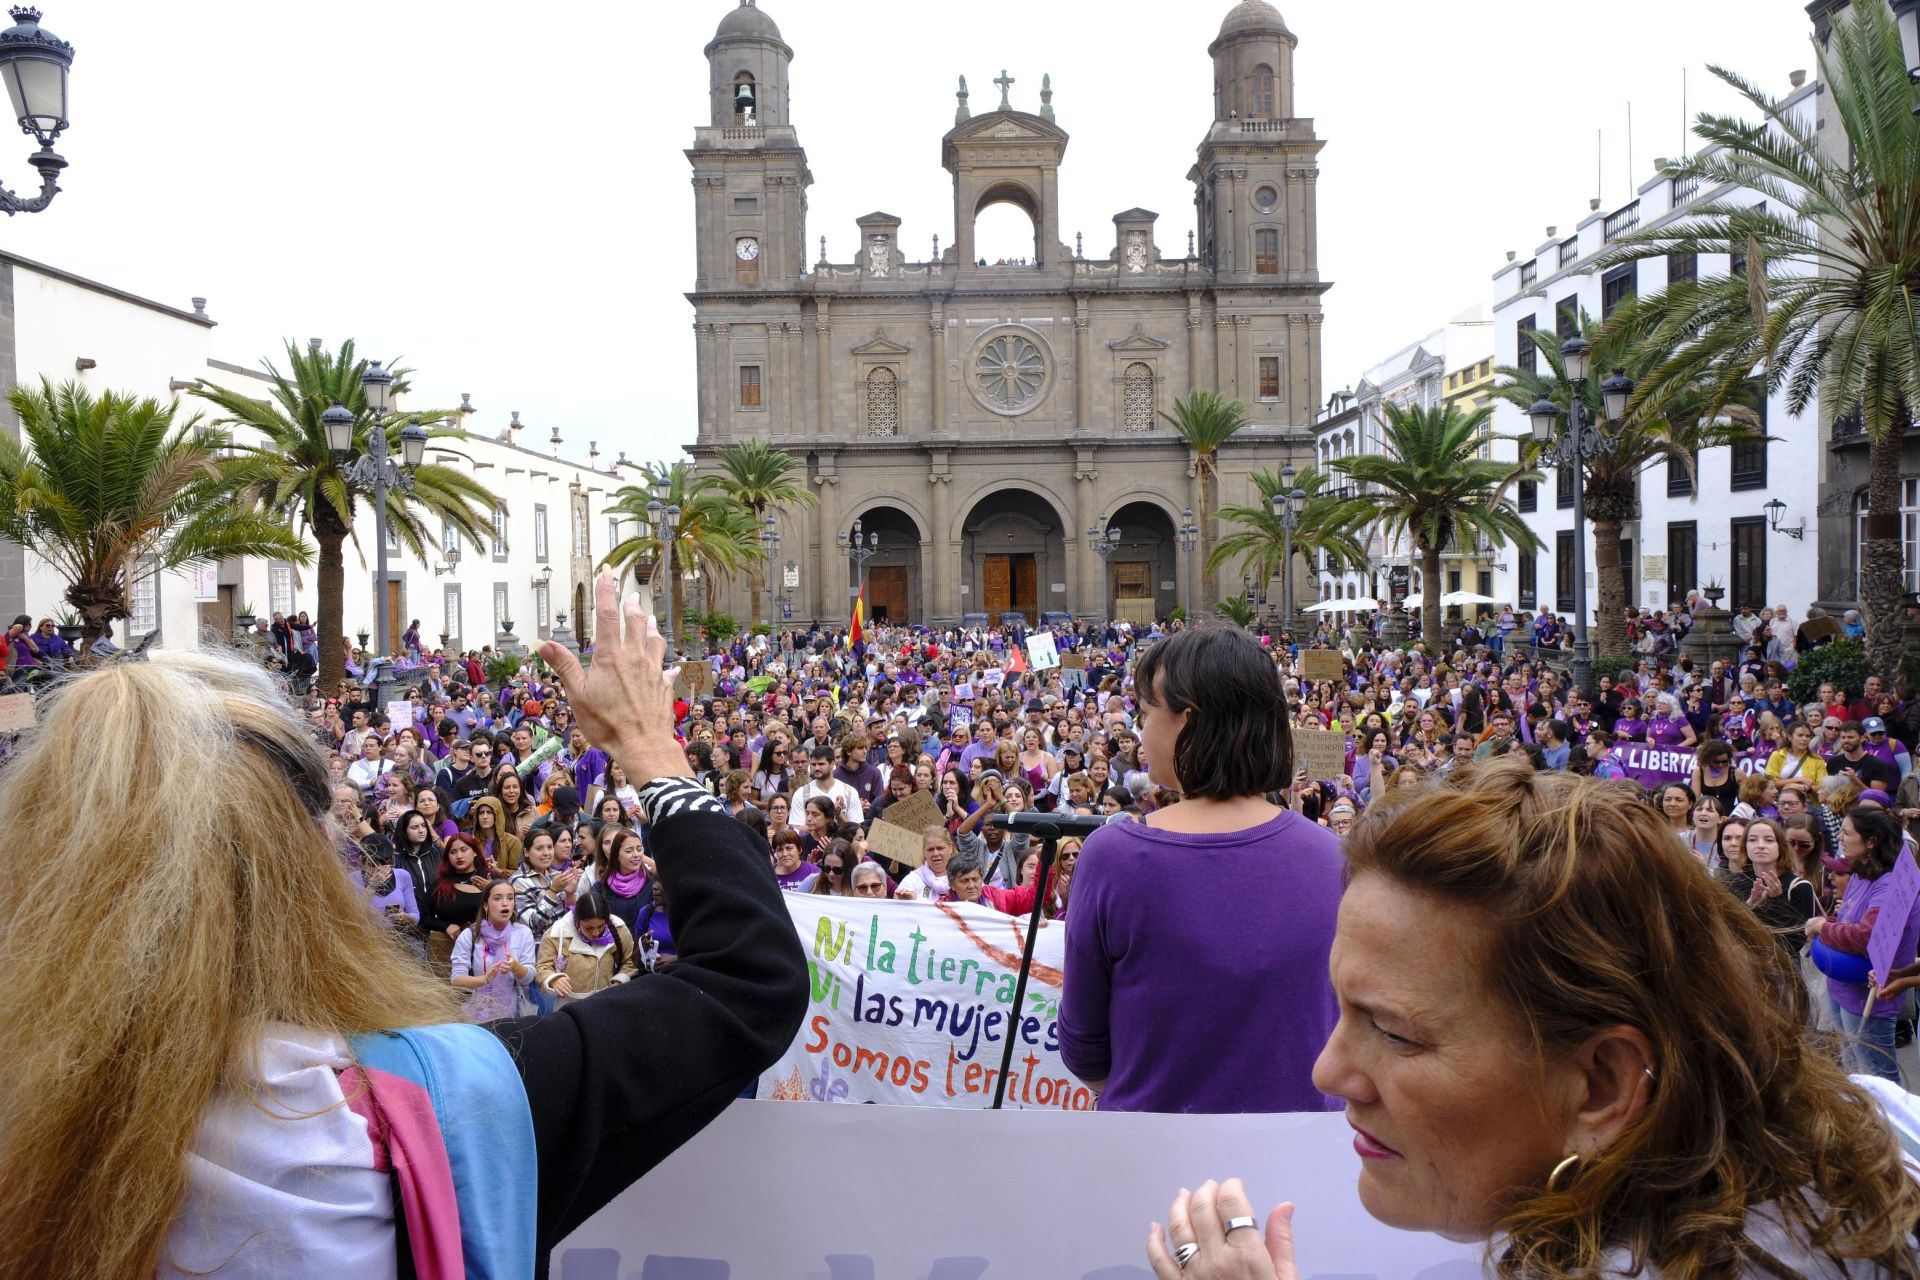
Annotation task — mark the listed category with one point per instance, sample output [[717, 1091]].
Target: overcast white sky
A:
[[497, 192]]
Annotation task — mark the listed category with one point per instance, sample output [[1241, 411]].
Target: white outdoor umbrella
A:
[[1466, 597], [1413, 601], [1362, 605]]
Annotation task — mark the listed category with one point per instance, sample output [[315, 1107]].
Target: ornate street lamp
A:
[[1288, 501], [34, 63], [375, 470], [1189, 538], [1104, 538]]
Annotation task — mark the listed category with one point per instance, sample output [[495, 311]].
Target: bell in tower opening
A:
[[744, 106]]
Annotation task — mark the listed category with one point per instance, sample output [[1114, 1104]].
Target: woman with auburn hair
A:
[[221, 1107], [1558, 1037], [499, 847]]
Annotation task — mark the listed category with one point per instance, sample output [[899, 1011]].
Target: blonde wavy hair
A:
[[1597, 918], [232, 910]]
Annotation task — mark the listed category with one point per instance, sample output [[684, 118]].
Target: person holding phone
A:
[[1783, 901], [393, 898]]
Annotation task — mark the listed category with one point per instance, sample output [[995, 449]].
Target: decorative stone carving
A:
[[879, 257], [1010, 372], [1135, 253]]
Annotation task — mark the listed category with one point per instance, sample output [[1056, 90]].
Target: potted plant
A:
[[506, 626], [363, 634], [71, 628], [1713, 592], [244, 616]]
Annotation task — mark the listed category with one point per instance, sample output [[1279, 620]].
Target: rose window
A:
[[1010, 372]]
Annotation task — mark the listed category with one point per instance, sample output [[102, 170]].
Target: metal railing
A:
[[1685, 189], [1530, 274], [1621, 221]]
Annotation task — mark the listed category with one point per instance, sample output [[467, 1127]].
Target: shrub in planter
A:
[[1842, 663]]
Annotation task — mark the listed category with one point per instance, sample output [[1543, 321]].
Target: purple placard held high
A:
[[1883, 946]]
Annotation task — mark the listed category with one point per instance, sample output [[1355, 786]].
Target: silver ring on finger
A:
[[1183, 1254], [1234, 1224]]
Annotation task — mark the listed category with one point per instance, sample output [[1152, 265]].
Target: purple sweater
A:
[[1196, 966]]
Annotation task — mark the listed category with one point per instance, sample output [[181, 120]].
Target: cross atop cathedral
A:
[[1005, 82]]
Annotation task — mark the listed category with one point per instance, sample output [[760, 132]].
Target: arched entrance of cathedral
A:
[[893, 573], [1013, 557], [1143, 576]]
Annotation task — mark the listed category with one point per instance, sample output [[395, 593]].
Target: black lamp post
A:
[[770, 543], [1105, 540], [34, 63], [375, 470], [1189, 537], [1581, 441], [665, 519], [858, 551], [1286, 510]]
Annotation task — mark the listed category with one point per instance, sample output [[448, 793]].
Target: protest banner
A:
[[1896, 904], [1321, 752], [694, 677], [912, 1005], [1321, 664], [1656, 766], [898, 831], [16, 712], [1094, 1181], [992, 675], [1074, 661], [1042, 652], [400, 714], [959, 718]]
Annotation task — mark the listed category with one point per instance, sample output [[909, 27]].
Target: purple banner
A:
[[1883, 945], [1656, 766]]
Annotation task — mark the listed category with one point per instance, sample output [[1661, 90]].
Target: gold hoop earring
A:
[[1570, 1167]]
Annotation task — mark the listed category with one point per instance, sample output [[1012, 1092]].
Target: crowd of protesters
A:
[[495, 833]]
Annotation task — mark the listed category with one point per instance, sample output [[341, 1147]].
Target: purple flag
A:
[[1896, 904]]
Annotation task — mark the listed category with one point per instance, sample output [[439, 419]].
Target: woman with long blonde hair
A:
[[203, 1102]]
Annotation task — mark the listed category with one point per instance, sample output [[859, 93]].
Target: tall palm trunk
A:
[[1430, 600], [1203, 503], [1880, 567], [328, 622], [678, 590], [1609, 631], [99, 606]]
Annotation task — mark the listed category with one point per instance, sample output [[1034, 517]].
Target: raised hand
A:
[[625, 702]]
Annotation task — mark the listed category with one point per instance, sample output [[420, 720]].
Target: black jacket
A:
[[617, 1082]]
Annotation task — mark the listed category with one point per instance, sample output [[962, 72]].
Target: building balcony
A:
[[1850, 431], [1621, 221]]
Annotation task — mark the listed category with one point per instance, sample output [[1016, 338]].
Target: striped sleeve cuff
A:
[[665, 798]]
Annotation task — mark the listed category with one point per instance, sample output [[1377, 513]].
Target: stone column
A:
[[823, 349], [1088, 596], [703, 377], [786, 332], [1244, 385], [940, 603], [1311, 358], [727, 383], [1082, 368], [1196, 341], [1222, 353], [829, 568], [937, 375]]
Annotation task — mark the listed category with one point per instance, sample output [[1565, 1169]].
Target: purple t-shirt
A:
[[1196, 966]]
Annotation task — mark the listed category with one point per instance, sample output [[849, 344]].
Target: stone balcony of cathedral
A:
[[1295, 130], [1064, 275], [753, 137]]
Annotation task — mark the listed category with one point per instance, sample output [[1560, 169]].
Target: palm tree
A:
[[97, 485], [1236, 610], [1826, 304], [1205, 421], [295, 475], [1431, 483], [1259, 545], [716, 534], [1666, 421], [761, 479]]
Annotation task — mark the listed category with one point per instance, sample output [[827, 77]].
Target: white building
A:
[[538, 564], [1689, 533], [1422, 374]]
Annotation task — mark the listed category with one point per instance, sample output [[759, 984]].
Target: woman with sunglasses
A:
[[836, 864]]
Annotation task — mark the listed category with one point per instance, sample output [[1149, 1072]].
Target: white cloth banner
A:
[[1066, 1197], [912, 1003]]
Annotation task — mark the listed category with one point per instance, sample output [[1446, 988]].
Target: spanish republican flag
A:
[[856, 638]]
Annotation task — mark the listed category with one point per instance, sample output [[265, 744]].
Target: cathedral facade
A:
[[982, 418]]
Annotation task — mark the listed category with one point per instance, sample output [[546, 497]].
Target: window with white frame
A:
[[450, 611], [580, 529], [539, 532], [542, 606], [449, 539], [393, 537], [499, 534], [280, 588], [143, 600], [1909, 536], [613, 532], [500, 606]]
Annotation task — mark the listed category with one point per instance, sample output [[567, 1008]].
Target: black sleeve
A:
[[617, 1082]]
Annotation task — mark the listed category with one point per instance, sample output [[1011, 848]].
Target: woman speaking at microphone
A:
[[1196, 953]]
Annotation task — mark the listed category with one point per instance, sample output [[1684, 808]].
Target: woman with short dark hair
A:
[[1215, 728]]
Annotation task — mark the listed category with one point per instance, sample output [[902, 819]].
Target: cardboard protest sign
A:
[[695, 676], [1321, 752], [896, 833], [1074, 661], [993, 675], [1321, 664], [16, 712], [1042, 652], [400, 713]]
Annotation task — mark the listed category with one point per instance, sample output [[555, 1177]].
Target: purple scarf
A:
[[628, 884]]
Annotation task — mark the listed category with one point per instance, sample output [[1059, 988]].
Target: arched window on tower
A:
[[1266, 251], [883, 403], [746, 100], [1136, 398], [1263, 91]]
